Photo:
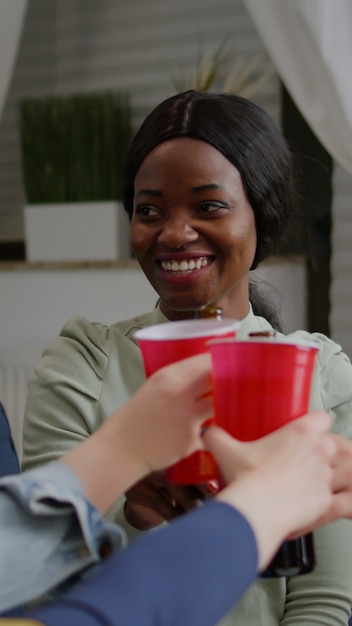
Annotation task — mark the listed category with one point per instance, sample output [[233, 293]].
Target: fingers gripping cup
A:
[[167, 343], [259, 385]]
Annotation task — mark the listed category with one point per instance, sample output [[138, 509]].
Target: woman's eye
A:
[[145, 210], [210, 207]]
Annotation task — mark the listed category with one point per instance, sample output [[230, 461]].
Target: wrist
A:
[[97, 462], [258, 500]]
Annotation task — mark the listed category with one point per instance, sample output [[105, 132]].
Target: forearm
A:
[[258, 502], [97, 462], [184, 574]]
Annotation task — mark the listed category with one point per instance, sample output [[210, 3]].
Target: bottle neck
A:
[[210, 312]]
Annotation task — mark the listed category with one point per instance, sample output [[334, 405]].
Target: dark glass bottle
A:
[[293, 558]]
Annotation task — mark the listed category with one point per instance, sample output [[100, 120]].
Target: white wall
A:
[[34, 305]]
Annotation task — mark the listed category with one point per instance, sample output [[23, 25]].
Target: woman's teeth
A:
[[184, 266]]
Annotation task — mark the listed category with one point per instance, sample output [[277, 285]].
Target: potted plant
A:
[[73, 152], [220, 70]]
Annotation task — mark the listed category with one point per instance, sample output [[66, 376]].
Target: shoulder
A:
[[330, 357], [128, 327], [80, 331], [83, 343], [332, 381], [82, 347]]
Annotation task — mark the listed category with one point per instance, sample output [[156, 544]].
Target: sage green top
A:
[[92, 369]]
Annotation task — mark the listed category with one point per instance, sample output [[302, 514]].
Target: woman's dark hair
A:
[[260, 297], [246, 135]]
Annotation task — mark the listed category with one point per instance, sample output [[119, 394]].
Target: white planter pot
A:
[[79, 231]]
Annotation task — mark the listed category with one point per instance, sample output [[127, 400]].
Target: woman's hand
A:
[[155, 500]]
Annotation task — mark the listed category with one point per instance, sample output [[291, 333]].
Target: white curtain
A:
[[12, 13], [310, 43]]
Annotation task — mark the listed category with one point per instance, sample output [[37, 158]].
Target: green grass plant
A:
[[74, 147]]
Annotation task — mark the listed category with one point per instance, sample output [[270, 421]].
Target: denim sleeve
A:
[[49, 532], [190, 572]]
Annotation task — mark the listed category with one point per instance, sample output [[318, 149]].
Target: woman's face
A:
[[193, 229]]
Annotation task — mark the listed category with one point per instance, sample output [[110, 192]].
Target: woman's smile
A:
[[185, 266]]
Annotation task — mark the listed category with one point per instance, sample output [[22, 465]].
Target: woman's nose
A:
[[176, 233]]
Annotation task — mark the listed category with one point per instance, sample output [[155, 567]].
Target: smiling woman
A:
[[195, 243], [208, 189]]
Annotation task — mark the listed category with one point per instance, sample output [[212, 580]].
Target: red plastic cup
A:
[[167, 343], [260, 385]]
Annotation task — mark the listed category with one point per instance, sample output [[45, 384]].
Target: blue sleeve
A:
[[49, 532], [189, 573], [8, 456]]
